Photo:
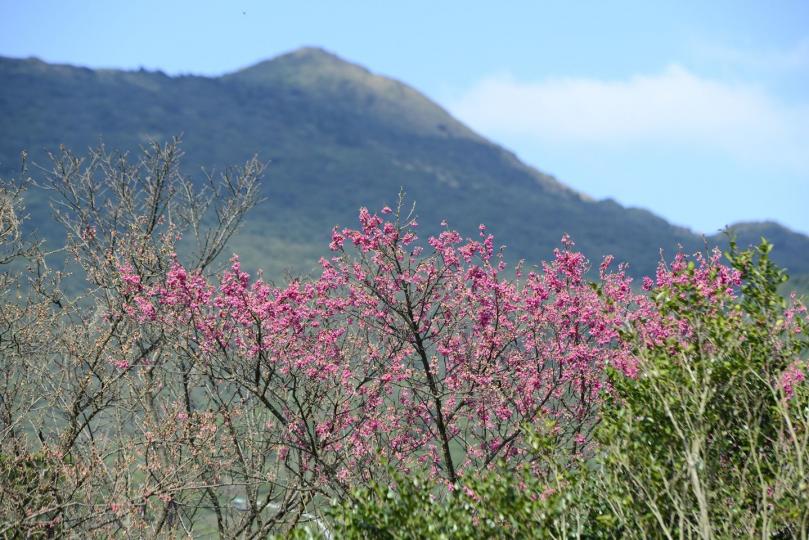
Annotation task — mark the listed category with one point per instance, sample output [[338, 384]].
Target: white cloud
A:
[[793, 59], [674, 107]]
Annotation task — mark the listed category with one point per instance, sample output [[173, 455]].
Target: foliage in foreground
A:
[[711, 439], [166, 397]]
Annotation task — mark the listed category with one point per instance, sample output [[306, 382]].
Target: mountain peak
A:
[[313, 54], [306, 59], [305, 66], [322, 75]]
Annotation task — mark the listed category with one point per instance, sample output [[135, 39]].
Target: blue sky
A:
[[698, 111]]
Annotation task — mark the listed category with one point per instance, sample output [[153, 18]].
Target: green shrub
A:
[[709, 440], [28, 504]]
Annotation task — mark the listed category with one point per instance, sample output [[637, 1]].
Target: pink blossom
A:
[[357, 338], [794, 375]]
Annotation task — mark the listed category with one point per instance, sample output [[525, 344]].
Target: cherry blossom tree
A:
[[424, 360]]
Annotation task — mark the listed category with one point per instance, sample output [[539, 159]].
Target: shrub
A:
[[29, 494], [709, 439]]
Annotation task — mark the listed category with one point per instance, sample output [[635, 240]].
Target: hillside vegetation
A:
[[336, 137]]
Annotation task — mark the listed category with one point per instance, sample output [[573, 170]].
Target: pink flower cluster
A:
[[403, 354], [794, 375], [408, 355], [704, 283]]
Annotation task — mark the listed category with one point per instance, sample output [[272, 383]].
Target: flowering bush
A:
[[430, 360], [712, 436], [708, 437]]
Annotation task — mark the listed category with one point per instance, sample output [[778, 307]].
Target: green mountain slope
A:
[[337, 137]]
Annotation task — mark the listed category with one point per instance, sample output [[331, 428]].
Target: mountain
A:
[[337, 137]]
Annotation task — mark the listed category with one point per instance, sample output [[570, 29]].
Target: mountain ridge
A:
[[337, 137], [318, 69]]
